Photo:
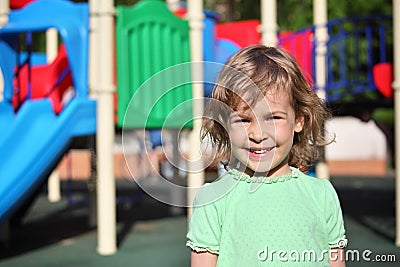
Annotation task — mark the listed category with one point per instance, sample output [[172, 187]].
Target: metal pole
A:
[[104, 89], [321, 37], [173, 4], [4, 9], [51, 44], [396, 88], [93, 47], [269, 23], [196, 175], [53, 183]]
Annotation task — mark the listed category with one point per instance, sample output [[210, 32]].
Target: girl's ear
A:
[[298, 127]]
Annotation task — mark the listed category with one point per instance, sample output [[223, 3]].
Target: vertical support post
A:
[[396, 88], [104, 89], [173, 4], [93, 47], [321, 37], [4, 9], [51, 44], [53, 183], [196, 173], [92, 77], [269, 23]]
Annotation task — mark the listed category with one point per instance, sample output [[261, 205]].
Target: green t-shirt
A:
[[287, 220]]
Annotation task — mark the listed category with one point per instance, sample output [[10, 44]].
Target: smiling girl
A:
[[266, 125]]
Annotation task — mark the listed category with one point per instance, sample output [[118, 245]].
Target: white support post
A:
[[196, 175], [93, 77], [53, 183], [4, 9], [53, 186], [269, 23], [321, 37], [173, 4], [103, 86], [93, 48], [51, 44], [396, 88]]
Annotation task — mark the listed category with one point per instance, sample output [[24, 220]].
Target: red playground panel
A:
[[383, 78], [243, 33], [16, 4], [52, 81], [300, 46]]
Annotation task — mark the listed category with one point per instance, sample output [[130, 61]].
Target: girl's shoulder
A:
[[313, 181], [215, 191], [322, 189]]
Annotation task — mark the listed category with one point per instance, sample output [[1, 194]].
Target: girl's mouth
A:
[[259, 151]]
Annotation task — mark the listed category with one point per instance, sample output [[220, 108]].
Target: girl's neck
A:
[[281, 169]]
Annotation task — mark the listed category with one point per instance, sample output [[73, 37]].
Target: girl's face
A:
[[262, 136]]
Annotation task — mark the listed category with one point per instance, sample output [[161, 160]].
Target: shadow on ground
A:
[[369, 202], [47, 223]]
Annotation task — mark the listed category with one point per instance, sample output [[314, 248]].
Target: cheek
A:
[[284, 134], [237, 133]]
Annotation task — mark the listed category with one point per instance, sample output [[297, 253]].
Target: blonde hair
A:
[[251, 73]]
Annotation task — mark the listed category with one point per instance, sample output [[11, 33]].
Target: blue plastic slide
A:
[[32, 142], [33, 139]]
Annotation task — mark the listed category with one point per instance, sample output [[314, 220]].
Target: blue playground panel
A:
[[37, 58], [354, 47], [215, 50], [33, 139]]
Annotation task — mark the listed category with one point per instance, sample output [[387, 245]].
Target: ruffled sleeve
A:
[[205, 225], [334, 218]]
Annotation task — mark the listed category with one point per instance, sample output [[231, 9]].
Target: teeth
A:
[[260, 151]]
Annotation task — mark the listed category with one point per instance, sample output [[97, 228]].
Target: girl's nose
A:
[[257, 133]]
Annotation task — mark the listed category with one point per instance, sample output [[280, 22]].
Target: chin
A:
[[268, 168], [259, 169]]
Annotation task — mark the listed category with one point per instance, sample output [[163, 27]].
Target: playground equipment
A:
[[355, 46], [154, 93], [16, 4], [44, 129], [149, 39], [35, 135], [30, 83], [358, 53]]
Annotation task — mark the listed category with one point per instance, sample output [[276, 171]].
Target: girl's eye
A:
[[241, 121], [274, 118]]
